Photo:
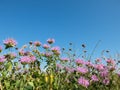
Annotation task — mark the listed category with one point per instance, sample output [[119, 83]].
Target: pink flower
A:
[[27, 59], [99, 67], [21, 52], [89, 64], [84, 82], [106, 81], [111, 68], [48, 54], [79, 61], [94, 78], [45, 46], [56, 50], [9, 43], [50, 40], [33, 58], [82, 70], [68, 69], [37, 43], [65, 59], [104, 73], [2, 59], [110, 61]]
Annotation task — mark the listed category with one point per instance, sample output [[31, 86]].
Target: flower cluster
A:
[[27, 59], [37, 66]]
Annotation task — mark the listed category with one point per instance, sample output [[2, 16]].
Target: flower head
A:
[[82, 70], [99, 67], [48, 54], [50, 40], [106, 81], [10, 43], [79, 61], [104, 73], [110, 61], [2, 59], [69, 69], [21, 52], [89, 64], [84, 82], [37, 43], [27, 59], [56, 50], [45, 46], [64, 59], [94, 78]]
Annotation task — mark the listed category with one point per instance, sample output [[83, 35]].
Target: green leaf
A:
[[7, 84], [9, 66], [31, 84], [18, 83], [28, 88]]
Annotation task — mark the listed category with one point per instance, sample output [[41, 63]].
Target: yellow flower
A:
[[46, 78], [51, 78]]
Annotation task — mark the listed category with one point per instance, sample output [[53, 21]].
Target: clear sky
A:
[[77, 21]]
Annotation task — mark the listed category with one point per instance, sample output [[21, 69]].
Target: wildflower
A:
[[104, 73], [68, 69], [10, 56], [110, 61], [9, 43], [82, 70], [51, 78], [45, 46], [94, 78], [46, 78], [79, 61], [111, 68], [27, 59], [56, 50], [33, 58], [27, 53], [65, 59], [37, 43], [2, 59], [99, 67], [50, 40], [21, 52], [89, 64], [57, 53], [84, 82], [37, 51], [47, 54], [106, 81]]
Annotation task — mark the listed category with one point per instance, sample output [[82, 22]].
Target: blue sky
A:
[[77, 21]]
